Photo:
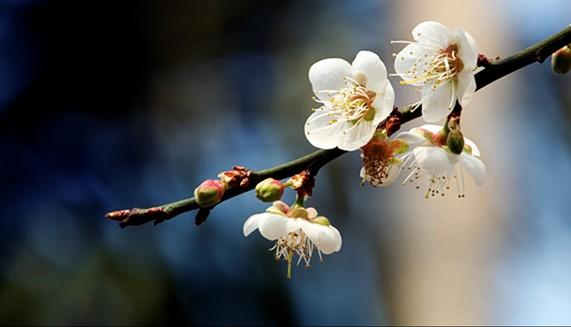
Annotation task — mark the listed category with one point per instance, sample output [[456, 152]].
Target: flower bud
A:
[[209, 193], [561, 60], [455, 141], [321, 221], [269, 190]]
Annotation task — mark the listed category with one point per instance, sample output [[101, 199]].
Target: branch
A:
[[493, 71]]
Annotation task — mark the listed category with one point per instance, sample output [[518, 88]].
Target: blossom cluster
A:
[[355, 101]]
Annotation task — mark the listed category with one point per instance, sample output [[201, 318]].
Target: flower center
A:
[[352, 103], [377, 161], [437, 69], [437, 184], [294, 243]]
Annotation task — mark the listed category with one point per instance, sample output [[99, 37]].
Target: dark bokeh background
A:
[[107, 105]]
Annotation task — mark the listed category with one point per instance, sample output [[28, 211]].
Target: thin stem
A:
[[538, 52]]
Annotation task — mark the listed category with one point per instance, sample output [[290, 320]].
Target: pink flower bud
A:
[[209, 193], [269, 190]]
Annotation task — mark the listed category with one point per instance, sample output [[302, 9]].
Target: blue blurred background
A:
[[107, 105]]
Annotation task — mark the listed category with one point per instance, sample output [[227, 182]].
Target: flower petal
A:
[[411, 138], [355, 136], [432, 128], [326, 238], [434, 160], [293, 225], [273, 227], [433, 32], [475, 149], [337, 238], [437, 104], [327, 75], [474, 166], [384, 104], [465, 87], [369, 64], [251, 224], [467, 49], [322, 131], [394, 173], [311, 212]]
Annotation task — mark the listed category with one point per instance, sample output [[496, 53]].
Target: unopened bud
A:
[[321, 221], [209, 193], [561, 60], [455, 141], [269, 190]]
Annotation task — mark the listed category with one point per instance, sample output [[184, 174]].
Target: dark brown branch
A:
[[493, 71]]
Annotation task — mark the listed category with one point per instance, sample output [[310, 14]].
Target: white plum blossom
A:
[[442, 63], [441, 165], [296, 231], [354, 99], [382, 157]]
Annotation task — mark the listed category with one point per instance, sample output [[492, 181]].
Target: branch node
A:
[[484, 61]]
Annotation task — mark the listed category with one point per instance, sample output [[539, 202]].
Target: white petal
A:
[[362, 173], [467, 50], [311, 212], [429, 127], [384, 104], [394, 173], [355, 136], [273, 227], [475, 149], [321, 132], [414, 59], [433, 32], [412, 139], [434, 160], [337, 238], [327, 75], [474, 166], [369, 64], [437, 104], [465, 87], [326, 238], [293, 225], [251, 224]]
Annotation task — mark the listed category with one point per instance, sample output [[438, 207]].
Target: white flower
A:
[[295, 230], [442, 62], [382, 157], [441, 165], [355, 98]]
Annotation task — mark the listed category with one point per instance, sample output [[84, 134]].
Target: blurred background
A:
[[107, 105]]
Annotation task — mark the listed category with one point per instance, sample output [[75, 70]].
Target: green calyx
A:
[[467, 149], [320, 220], [299, 212], [400, 147], [275, 210], [370, 115]]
